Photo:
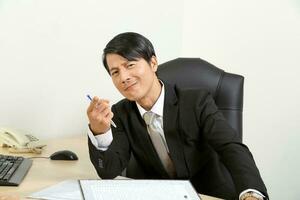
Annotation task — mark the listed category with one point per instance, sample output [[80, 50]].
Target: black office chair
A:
[[226, 89]]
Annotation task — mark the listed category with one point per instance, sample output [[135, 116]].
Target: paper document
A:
[[138, 189], [66, 190]]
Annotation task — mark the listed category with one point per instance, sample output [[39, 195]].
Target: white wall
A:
[[50, 58], [260, 40]]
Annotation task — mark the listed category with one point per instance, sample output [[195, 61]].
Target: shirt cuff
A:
[[102, 141], [252, 190]]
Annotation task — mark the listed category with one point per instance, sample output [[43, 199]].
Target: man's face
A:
[[133, 79]]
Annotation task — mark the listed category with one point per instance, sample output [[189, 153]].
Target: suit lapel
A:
[[171, 131]]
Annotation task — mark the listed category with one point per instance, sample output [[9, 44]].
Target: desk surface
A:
[[45, 172]]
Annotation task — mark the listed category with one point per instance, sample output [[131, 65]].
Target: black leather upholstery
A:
[[226, 88]]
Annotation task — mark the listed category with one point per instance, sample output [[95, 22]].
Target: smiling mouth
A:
[[128, 87]]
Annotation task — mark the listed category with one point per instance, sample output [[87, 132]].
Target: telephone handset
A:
[[20, 142]]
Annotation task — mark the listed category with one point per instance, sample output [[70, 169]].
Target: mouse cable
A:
[[38, 157]]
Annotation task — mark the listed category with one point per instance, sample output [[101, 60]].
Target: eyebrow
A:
[[124, 63], [113, 68]]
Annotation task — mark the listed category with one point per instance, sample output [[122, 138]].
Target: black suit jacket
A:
[[203, 147]]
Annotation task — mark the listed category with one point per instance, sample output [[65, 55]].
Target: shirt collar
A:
[[158, 106]]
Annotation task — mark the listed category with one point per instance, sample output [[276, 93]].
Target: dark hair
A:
[[129, 45]]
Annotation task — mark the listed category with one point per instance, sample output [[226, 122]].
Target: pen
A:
[[112, 122]]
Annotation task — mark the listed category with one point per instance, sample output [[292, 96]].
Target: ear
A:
[[153, 63]]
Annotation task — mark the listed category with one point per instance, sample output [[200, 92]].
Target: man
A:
[[173, 133]]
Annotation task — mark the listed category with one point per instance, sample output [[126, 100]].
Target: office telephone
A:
[[19, 142]]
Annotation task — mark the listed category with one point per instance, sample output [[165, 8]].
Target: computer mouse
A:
[[64, 155]]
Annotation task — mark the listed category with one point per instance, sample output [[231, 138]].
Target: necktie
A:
[[155, 130]]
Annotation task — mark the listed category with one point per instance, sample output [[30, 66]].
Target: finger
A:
[[110, 115], [89, 109], [93, 104], [102, 106], [100, 116], [96, 101], [100, 102], [105, 112]]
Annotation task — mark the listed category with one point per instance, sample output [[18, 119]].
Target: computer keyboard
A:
[[13, 169]]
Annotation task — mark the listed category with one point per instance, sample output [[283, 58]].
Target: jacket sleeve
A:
[[114, 160], [235, 156]]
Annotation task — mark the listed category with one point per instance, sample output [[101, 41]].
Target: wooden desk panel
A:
[[45, 172]]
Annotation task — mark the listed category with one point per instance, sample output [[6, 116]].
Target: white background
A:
[[50, 58]]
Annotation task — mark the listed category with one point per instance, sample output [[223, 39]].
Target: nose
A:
[[125, 76]]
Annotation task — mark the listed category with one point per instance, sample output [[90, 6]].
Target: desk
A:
[[46, 172]]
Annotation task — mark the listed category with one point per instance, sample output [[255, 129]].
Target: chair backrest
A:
[[226, 89]]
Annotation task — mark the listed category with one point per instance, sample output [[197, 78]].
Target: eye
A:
[[130, 65], [114, 73]]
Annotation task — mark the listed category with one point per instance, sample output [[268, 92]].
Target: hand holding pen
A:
[[100, 115]]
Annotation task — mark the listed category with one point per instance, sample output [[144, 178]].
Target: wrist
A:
[[95, 131]]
